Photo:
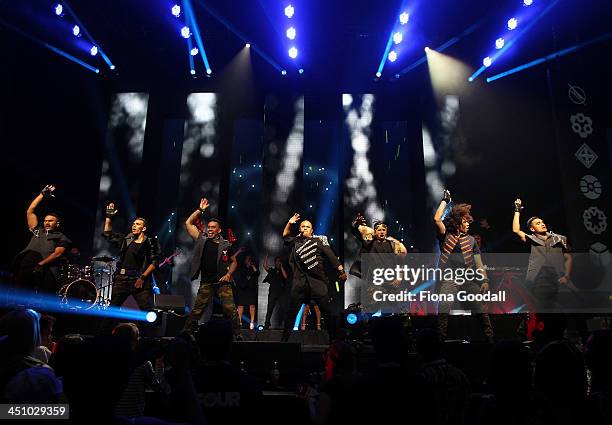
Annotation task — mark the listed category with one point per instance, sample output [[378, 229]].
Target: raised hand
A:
[[294, 219], [518, 205], [47, 191], [446, 197], [111, 211], [360, 220], [203, 204]]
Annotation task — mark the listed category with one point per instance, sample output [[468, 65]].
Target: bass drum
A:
[[79, 294]]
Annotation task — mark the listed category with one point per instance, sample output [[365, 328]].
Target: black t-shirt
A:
[[275, 279], [209, 261], [134, 256], [44, 243]]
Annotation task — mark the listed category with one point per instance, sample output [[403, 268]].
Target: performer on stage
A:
[[138, 258], [277, 278], [36, 267], [213, 260], [307, 259], [550, 265], [458, 250], [246, 278], [373, 241]]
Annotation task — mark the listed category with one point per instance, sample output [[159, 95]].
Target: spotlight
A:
[[512, 23], [76, 31], [208, 71], [293, 52], [289, 11], [398, 37], [176, 10], [112, 67], [248, 45], [351, 318], [260, 328], [59, 10], [192, 72], [93, 51], [392, 56], [499, 43], [291, 33], [301, 70], [404, 18], [426, 48], [378, 74], [283, 72], [151, 316], [487, 61], [185, 32], [527, 2], [193, 52]]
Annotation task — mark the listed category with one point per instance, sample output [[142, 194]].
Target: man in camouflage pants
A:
[[213, 260]]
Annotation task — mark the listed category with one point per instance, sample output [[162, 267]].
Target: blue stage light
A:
[[378, 74], [512, 23], [351, 318], [209, 71], [93, 51], [176, 10], [248, 45], [404, 17], [260, 328], [499, 43], [293, 52], [487, 61], [392, 56], [301, 71], [289, 11], [527, 2], [283, 72], [291, 33], [76, 31], [398, 37], [151, 316], [112, 67], [193, 52], [59, 10], [185, 32], [192, 72]]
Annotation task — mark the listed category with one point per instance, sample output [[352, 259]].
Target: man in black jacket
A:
[[309, 253], [139, 256], [213, 260]]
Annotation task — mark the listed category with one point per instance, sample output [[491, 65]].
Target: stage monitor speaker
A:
[[170, 303]]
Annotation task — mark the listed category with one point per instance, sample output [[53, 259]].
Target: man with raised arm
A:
[[138, 258], [458, 250], [212, 260], [550, 261], [308, 256], [36, 267]]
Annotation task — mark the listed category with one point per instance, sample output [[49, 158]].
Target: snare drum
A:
[[79, 294]]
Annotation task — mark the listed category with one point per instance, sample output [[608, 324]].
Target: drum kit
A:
[[86, 287]]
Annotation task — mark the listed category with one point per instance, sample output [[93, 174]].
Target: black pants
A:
[[276, 298], [294, 307], [448, 287]]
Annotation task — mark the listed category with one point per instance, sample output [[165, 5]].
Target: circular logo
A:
[[590, 186], [576, 95]]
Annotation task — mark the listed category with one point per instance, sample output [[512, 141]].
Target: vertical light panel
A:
[[121, 176], [199, 177]]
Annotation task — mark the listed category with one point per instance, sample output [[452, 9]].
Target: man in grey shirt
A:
[[550, 262]]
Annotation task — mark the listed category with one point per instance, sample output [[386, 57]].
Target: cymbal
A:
[[104, 258]]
